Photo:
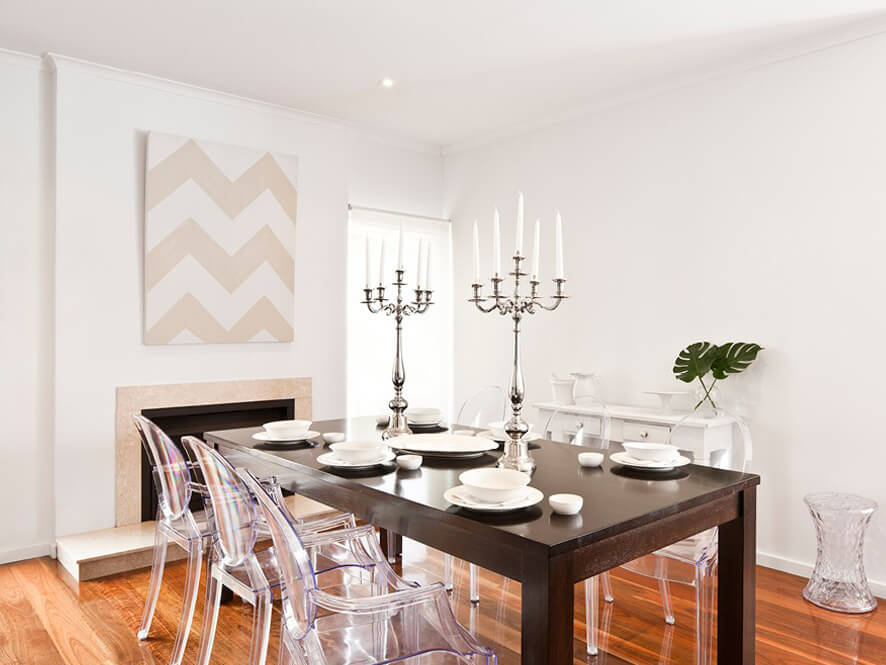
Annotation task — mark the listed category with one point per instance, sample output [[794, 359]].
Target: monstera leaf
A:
[[733, 357], [695, 361]]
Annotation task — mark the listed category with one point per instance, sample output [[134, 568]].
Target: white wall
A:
[[26, 520], [71, 180], [751, 208], [102, 118]]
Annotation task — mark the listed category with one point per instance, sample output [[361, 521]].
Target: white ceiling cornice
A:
[[62, 63]]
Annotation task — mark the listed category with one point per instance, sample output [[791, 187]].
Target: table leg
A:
[[737, 584], [391, 544], [547, 614]]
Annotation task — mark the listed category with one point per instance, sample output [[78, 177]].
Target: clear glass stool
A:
[[838, 582]]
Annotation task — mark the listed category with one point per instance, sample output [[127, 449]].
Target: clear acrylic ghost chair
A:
[[233, 563], [395, 625], [552, 427], [253, 575], [693, 561], [485, 406], [175, 523]]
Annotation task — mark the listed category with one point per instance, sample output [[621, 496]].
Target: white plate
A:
[[421, 444], [488, 434], [329, 459], [626, 460], [444, 455], [459, 496], [304, 436]]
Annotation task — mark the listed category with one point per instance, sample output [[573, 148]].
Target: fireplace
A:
[[179, 421], [192, 408]]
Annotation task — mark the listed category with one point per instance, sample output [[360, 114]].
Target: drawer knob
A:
[[644, 434]]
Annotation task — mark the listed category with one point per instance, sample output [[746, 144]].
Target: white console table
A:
[[698, 435]]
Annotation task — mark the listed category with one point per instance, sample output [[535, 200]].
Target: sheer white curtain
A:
[[427, 338]]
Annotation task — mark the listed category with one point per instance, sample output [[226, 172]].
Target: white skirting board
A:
[[805, 570], [30, 552]]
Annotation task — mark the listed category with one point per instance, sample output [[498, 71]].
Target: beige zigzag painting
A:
[[198, 288]]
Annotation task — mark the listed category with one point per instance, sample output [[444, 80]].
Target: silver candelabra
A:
[[399, 309], [516, 453]]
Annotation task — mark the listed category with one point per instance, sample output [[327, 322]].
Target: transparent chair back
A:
[[171, 474], [483, 407], [559, 425]]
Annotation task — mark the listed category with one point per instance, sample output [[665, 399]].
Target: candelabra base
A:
[[517, 457], [396, 426]]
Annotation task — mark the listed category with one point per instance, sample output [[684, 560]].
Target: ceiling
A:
[[465, 70]]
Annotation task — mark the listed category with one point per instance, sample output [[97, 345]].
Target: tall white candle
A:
[[476, 253], [381, 264], [535, 249], [367, 262], [400, 249], [558, 252], [496, 245], [428, 269], [520, 223], [418, 270]]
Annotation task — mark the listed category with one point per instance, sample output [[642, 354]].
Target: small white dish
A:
[[651, 452], [281, 429], [330, 459], [498, 430], [463, 432], [358, 452], [590, 459], [459, 496], [409, 462], [566, 504], [383, 419], [302, 436], [333, 437], [645, 465], [492, 485]]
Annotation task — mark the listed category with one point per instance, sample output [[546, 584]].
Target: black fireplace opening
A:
[[179, 421]]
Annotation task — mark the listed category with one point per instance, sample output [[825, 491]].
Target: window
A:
[[427, 338]]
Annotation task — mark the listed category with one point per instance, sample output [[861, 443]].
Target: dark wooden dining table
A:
[[626, 514]]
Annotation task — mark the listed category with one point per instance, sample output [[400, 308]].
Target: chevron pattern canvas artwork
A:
[[219, 243]]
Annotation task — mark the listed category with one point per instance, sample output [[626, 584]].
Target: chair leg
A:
[[210, 616], [157, 566], [591, 619], [261, 629], [447, 571], [607, 587], [189, 599], [664, 590], [474, 575], [704, 613]]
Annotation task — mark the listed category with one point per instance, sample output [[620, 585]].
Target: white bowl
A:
[[333, 437], [383, 419], [652, 452], [494, 485], [498, 430], [566, 504], [358, 451], [280, 429], [590, 459], [409, 462]]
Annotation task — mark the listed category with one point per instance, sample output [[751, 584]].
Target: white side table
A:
[[698, 435]]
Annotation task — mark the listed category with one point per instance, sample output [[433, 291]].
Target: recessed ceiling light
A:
[[386, 82]]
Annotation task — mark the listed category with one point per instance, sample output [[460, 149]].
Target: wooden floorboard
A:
[[46, 619]]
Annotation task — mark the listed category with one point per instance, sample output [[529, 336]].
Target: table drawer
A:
[[645, 432]]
